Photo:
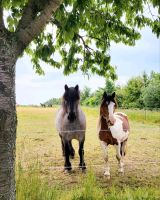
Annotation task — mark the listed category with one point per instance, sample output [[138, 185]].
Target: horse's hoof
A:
[[108, 177], [121, 171], [83, 169], [82, 166], [67, 170]]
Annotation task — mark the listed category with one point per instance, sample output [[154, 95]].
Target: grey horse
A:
[[71, 124]]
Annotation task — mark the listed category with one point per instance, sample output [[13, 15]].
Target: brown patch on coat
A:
[[125, 122], [105, 134]]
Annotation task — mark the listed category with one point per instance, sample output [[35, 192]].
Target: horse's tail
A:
[[123, 148], [71, 150]]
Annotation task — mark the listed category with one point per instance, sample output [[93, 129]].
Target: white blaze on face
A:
[[111, 111]]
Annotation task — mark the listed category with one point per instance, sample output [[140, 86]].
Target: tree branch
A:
[[150, 11], [1, 16], [28, 15], [84, 44], [35, 26]]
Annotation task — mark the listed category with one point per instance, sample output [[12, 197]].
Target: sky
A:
[[130, 61]]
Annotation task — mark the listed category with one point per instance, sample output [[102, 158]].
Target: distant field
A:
[[39, 159]]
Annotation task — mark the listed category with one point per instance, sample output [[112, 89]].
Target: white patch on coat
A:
[[120, 161], [104, 147], [111, 112], [105, 154], [117, 130]]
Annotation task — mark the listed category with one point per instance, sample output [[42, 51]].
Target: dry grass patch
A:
[[38, 144]]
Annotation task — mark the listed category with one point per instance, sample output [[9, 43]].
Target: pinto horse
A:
[[113, 129], [71, 124]]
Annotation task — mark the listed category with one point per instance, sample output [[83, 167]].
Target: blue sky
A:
[[130, 61]]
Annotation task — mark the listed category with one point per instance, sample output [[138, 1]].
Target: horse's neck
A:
[[104, 114], [107, 117], [112, 118], [102, 124]]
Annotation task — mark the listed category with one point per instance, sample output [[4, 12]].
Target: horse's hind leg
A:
[[81, 155], [72, 151], [123, 148], [119, 156], [67, 165]]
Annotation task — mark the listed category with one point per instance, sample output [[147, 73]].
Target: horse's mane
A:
[[115, 101], [63, 99]]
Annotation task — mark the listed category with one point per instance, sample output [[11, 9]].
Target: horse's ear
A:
[[104, 95], [113, 94], [77, 87], [66, 87]]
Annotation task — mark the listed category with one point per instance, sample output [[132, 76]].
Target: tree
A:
[[133, 93], [51, 102], [120, 95], [83, 32], [109, 86], [151, 94], [85, 94]]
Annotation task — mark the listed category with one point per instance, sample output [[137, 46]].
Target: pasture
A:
[[39, 161]]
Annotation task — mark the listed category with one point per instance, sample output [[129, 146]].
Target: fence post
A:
[[145, 114]]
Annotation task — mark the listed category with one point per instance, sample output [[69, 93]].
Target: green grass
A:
[[39, 151], [32, 187], [143, 116]]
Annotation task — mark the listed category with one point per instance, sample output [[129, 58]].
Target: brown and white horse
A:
[[71, 124], [113, 129]]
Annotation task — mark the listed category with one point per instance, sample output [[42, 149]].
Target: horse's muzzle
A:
[[71, 116]]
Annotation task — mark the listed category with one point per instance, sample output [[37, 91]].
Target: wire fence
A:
[[103, 165], [136, 164]]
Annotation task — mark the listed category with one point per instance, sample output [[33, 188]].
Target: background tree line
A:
[[139, 92]]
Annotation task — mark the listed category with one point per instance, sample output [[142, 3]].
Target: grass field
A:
[[39, 159]]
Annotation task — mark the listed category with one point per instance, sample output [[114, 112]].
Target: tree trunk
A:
[[8, 118], [11, 46]]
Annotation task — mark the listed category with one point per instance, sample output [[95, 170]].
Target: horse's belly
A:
[[118, 132], [69, 135]]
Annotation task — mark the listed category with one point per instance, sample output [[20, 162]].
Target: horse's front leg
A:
[[81, 155], [67, 164], [62, 144], [105, 154], [120, 156]]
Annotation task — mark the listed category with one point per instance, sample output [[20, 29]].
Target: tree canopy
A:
[[79, 31], [139, 92]]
